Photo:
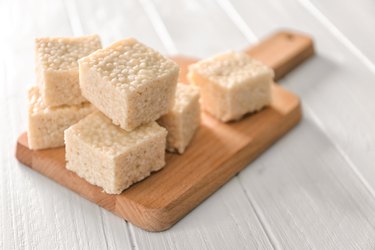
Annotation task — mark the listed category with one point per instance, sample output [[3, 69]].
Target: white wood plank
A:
[[352, 23], [305, 189], [17, 41], [307, 194], [159, 26], [37, 213], [234, 224], [200, 28], [336, 88], [224, 221], [335, 85], [114, 20]]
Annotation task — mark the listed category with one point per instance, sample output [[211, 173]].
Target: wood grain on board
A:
[[217, 152]]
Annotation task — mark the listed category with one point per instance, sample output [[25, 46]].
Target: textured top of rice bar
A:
[[230, 68], [62, 53], [128, 64]]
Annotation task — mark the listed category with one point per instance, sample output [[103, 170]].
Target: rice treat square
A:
[[110, 157], [46, 125], [57, 67], [183, 119], [232, 84], [129, 82]]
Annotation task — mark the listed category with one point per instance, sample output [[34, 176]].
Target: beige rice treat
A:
[[108, 156], [129, 82], [57, 67], [46, 125], [183, 119], [232, 85]]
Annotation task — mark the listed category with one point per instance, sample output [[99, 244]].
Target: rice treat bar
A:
[[183, 119], [108, 156], [129, 82], [46, 125], [57, 67], [232, 85]]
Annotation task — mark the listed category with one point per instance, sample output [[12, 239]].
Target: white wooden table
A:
[[312, 189]]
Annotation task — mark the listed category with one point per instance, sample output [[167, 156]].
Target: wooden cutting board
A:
[[217, 152]]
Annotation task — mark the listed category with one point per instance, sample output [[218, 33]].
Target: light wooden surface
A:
[[217, 152], [313, 189]]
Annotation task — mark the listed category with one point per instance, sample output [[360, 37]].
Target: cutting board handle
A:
[[282, 51]]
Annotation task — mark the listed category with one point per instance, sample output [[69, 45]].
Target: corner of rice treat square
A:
[[129, 82], [57, 67], [110, 157]]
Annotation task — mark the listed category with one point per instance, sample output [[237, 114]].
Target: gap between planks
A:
[[313, 10]]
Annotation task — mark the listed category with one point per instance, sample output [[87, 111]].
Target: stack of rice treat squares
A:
[[105, 106]]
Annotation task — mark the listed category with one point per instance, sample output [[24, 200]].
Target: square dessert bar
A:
[[57, 67], [183, 119], [108, 156], [46, 125], [129, 82], [232, 85]]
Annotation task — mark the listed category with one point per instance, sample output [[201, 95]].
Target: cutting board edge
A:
[[163, 218]]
